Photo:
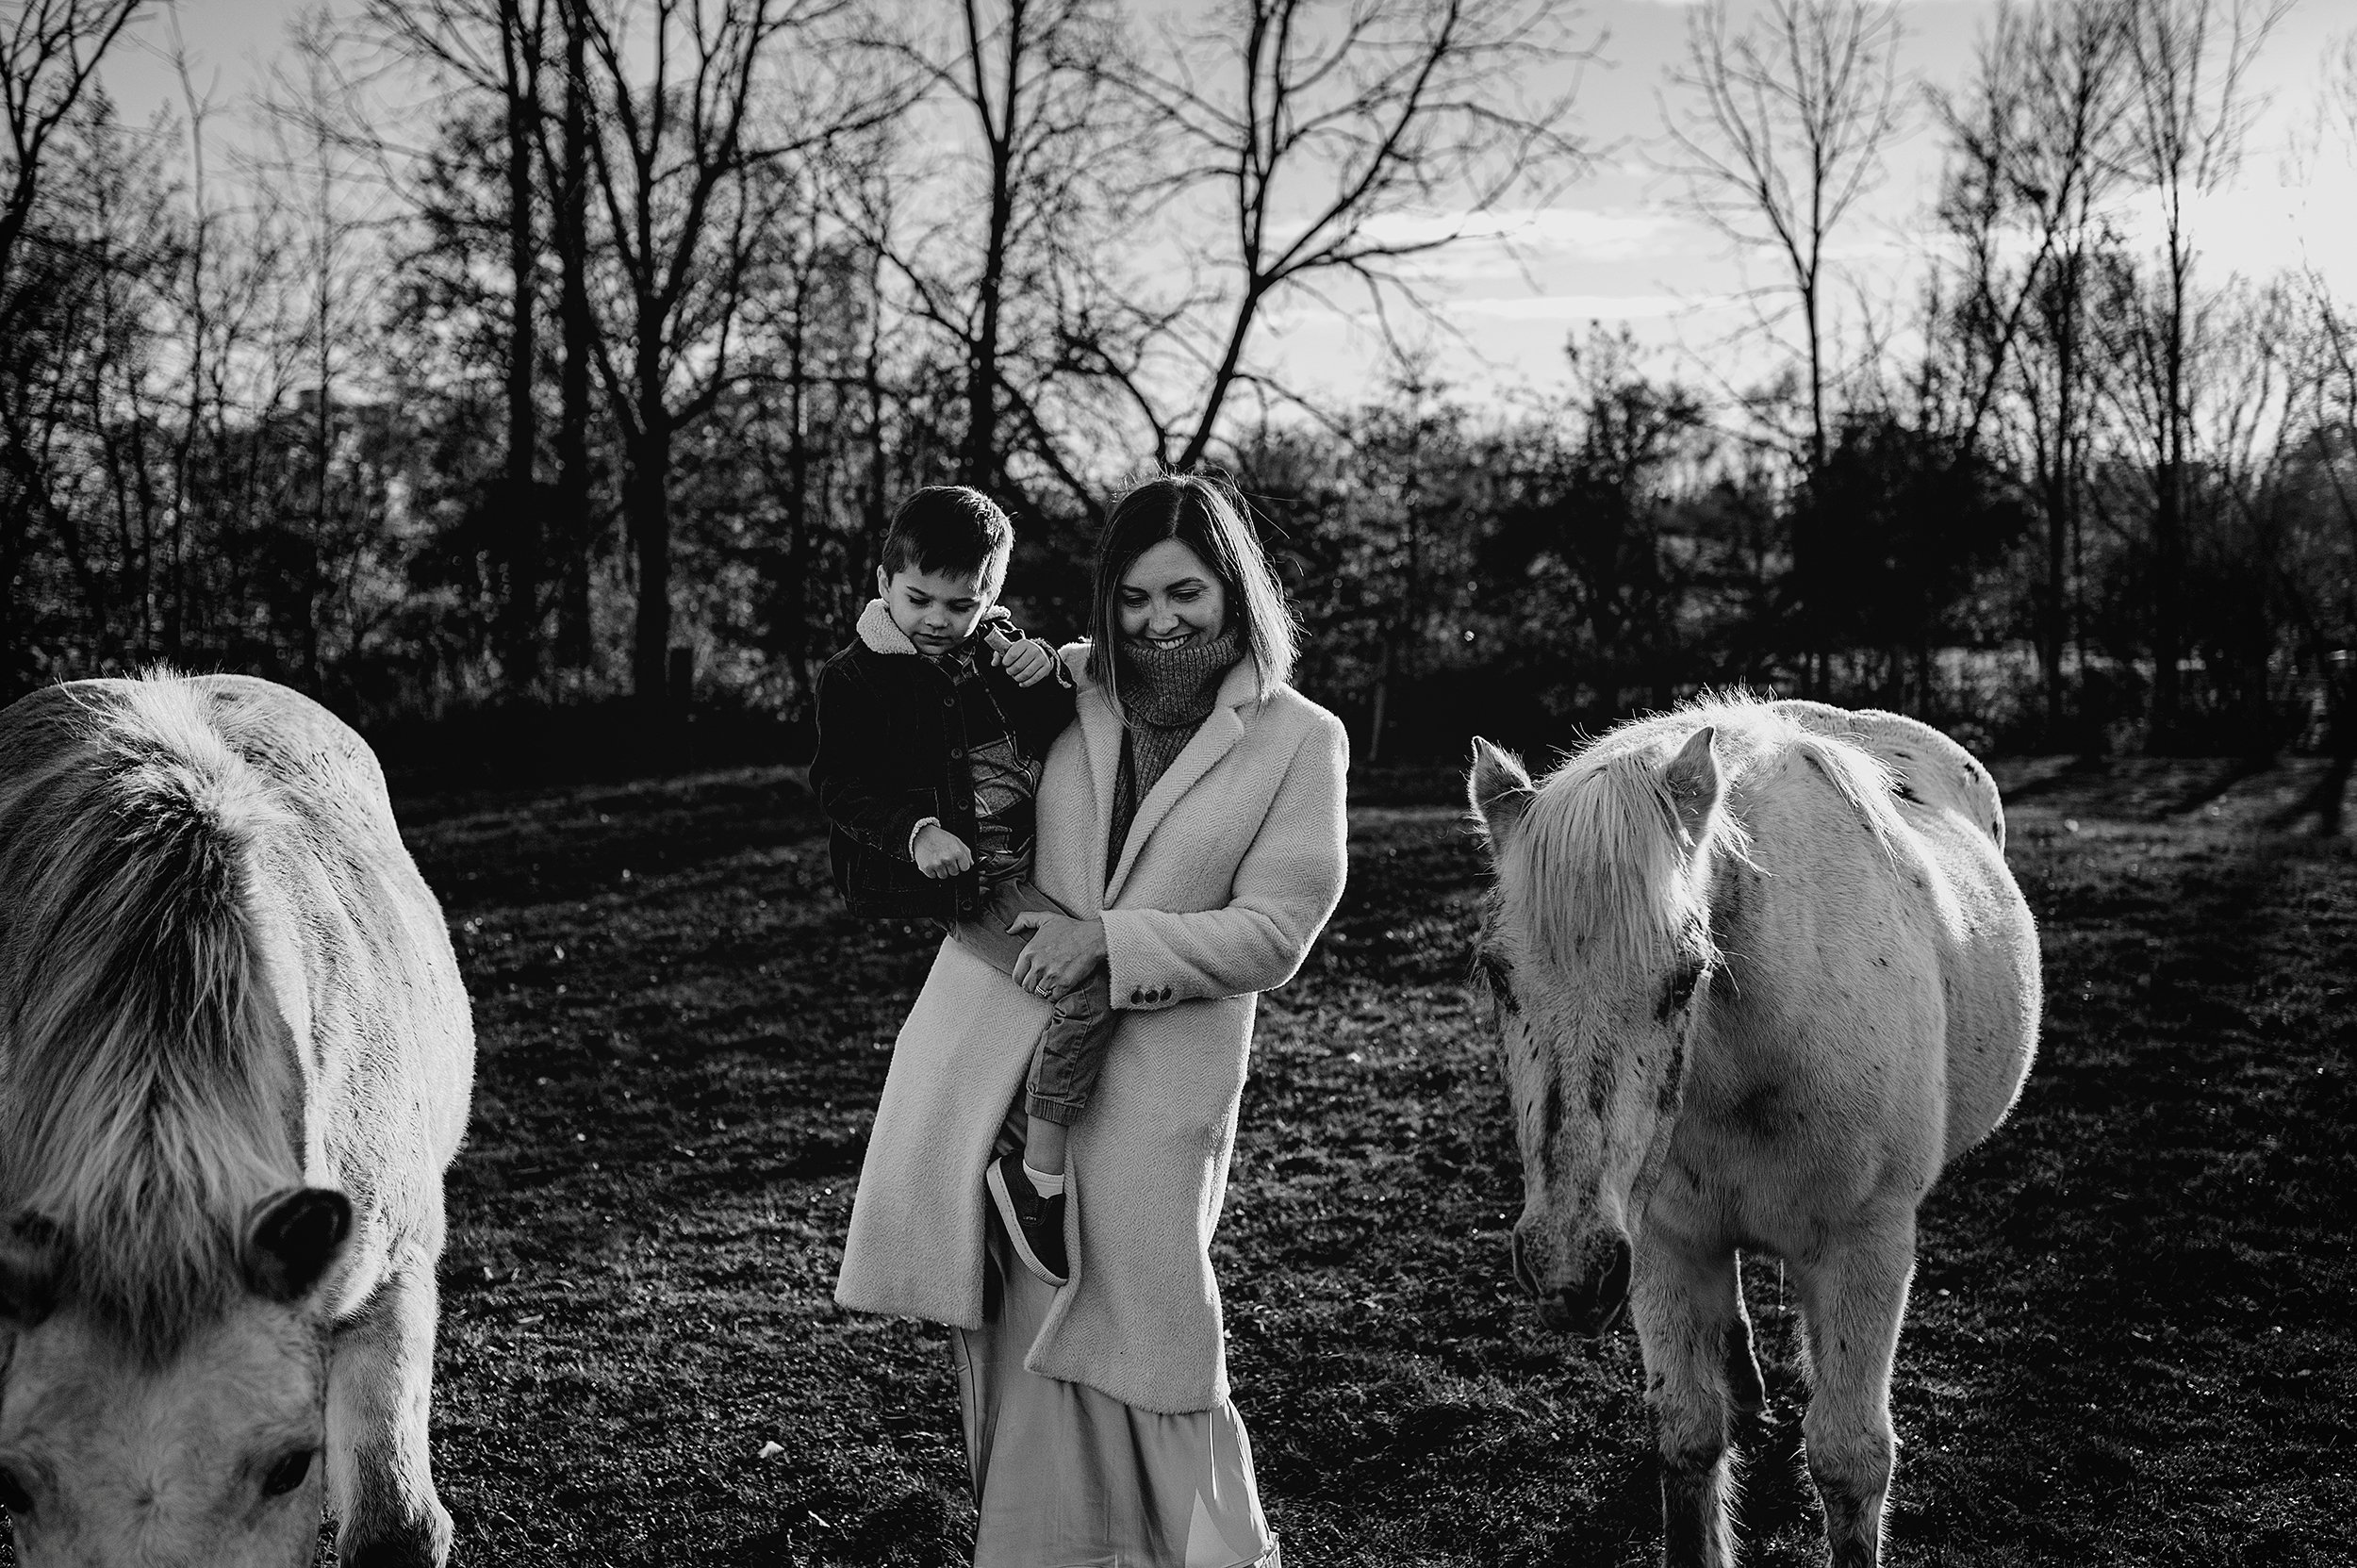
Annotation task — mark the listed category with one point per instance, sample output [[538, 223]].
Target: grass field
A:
[[2131, 1336]]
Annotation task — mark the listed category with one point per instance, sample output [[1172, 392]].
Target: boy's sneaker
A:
[[1034, 1223]]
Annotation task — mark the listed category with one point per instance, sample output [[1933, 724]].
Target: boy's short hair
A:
[[952, 529]]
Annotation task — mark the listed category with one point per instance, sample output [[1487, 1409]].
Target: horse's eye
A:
[[1678, 990], [288, 1474], [12, 1493]]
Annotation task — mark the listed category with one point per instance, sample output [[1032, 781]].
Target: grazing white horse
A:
[[1760, 972], [235, 1058]]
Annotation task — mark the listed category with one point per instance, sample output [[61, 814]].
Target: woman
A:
[[1193, 819]]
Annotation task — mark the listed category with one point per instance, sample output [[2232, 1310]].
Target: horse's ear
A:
[[1692, 781], [1499, 788], [291, 1239], [32, 1256]]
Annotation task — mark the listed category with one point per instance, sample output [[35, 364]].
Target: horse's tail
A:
[[150, 1094]]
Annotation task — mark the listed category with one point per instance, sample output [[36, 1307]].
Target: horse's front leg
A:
[[380, 1384], [1852, 1300], [1688, 1311]]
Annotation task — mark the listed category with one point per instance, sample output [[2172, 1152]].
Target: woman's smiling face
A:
[[1169, 598]]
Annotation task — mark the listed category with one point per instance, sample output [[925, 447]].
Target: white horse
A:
[[235, 1058], [1760, 972]]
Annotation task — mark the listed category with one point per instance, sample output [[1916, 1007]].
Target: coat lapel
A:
[[1218, 734], [1100, 729]]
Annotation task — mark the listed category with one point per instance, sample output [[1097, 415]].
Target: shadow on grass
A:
[[2127, 1340]]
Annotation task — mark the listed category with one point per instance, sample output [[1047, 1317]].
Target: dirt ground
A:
[[2130, 1339]]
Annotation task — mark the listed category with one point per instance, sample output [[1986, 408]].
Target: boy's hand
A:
[[1030, 661], [940, 853]]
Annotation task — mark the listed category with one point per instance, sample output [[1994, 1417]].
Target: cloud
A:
[[1552, 235], [2258, 229], [1583, 308]]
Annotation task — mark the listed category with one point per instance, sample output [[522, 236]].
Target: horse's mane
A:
[[148, 1089], [1605, 875]]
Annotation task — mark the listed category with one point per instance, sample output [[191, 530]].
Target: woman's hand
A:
[[1062, 951]]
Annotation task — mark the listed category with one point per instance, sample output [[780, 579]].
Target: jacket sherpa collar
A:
[[880, 632]]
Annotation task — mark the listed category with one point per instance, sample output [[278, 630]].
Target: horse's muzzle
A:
[[1589, 1307]]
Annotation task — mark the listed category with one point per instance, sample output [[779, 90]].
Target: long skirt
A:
[[1067, 1477]]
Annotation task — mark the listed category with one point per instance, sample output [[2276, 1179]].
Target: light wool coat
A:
[[1233, 865]]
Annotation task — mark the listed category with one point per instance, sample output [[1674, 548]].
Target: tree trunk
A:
[[518, 521], [792, 590], [314, 574], [1817, 655], [576, 534], [2168, 526], [2062, 486], [871, 383], [2168, 516], [981, 383], [646, 508], [1231, 362]]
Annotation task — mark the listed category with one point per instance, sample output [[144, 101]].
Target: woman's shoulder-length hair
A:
[[1208, 517]]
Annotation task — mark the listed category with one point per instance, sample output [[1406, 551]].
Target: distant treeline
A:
[[521, 365]]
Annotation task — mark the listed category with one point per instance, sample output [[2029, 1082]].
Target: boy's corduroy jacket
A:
[[891, 752]]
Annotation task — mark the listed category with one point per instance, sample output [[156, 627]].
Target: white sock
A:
[[1044, 1185]]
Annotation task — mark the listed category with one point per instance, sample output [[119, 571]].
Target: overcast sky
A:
[[1614, 247]]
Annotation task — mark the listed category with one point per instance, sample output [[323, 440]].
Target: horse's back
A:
[[1928, 767], [1989, 959], [389, 1003], [285, 735], [374, 1001]]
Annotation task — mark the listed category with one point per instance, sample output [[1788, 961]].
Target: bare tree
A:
[[49, 53], [2031, 165], [671, 163], [2319, 581], [495, 50], [574, 525], [523, 32], [1782, 131], [2190, 104], [1035, 84], [1020, 265], [336, 214], [1344, 140]]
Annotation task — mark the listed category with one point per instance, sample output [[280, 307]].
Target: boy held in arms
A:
[[932, 728]]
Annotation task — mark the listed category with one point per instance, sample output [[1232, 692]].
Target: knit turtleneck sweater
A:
[[1165, 696]]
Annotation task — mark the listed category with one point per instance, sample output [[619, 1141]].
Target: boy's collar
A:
[[880, 632], [883, 634]]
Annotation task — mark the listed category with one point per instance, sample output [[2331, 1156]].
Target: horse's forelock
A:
[[1602, 876], [144, 1105], [1601, 873]]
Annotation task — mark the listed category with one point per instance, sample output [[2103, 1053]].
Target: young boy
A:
[[933, 726]]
